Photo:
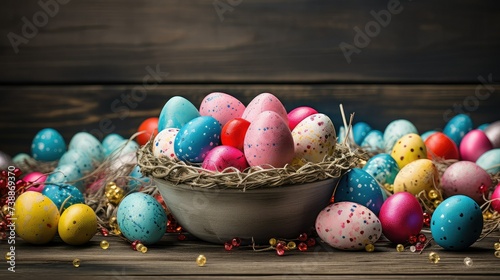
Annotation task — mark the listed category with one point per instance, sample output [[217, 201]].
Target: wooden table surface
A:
[[175, 259]]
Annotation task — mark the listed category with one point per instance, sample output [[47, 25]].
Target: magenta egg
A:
[[298, 114], [466, 178], [474, 144], [36, 178], [401, 216], [222, 157], [495, 199]]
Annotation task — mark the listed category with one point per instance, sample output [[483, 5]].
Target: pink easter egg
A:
[[222, 107], [222, 157], [36, 178], [465, 177], [495, 197], [298, 114], [264, 102], [474, 144]]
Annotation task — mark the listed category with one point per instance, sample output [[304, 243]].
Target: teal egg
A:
[[426, 134], [137, 179], [374, 141], [195, 139], [483, 126], [359, 131], [88, 144], [125, 147], [383, 168], [67, 173], [176, 113], [457, 127], [48, 145], [110, 142], [21, 158], [141, 217], [341, 135], [490, 161], [59, 193], [395, 130], [79, 159]]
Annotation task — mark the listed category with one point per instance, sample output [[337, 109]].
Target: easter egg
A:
[[88, 144], [48, 145], [409, 148], [383, 168], [264, 102], [110, 142], [374, 141], [77, 224], [493, 133], [163, 144], [195, 139], [426, 134], [5, 161], [474, 144], [141, 217], [21, 159], [268, 142], [222, 107], [222, 157], [67, 194], [483, 126], [137, 179], [356, 185], [125, 147], [79, 159], [341, 135], [149, 127], [35, 180], [417, 176], [457, 223], [401, 216], [440, 146], [298, 114], [233, 133], [36, 218], [314, 138], [495, 198], [466, 178], [348, 226], [457, 127], [67, 173], [177, 112], [359, 131], [490, 161], [395, 130]]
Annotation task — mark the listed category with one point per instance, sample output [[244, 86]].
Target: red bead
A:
[[412, 239], [135, 244], [419, 246], [20, 184], [311, 242], [3, 225], [17, 172], [228, 246], [104, 232], [422, 238], [4, 174], [181, 237], [236, 242], [483, 189], [281, 245], [303, 237], [302, 247], [3, 183], [280, 252]]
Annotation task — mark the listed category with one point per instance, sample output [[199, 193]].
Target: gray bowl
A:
[[218, 216]]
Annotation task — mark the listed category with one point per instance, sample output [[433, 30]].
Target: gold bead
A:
[[144, 249], [116, 231], [113, 222], [370, 247], [113, 193], [433, 194], [468, 261], [362, 162], [5, 210], [497, 254], [7, 256], [291, 245], [496, 246], [76, 262], [434, 257], [273, 241], [201, 260], [437, 202], [104, 244], [400, 248], [138, 246], [389, 187]]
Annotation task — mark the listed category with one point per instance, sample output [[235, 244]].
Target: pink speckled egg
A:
[[35, 179], [495, 199], [348, 226], [314, 138], [264, 102], [268, 142], [298, 114], [222, 157], [163, 144], [221, 106], [401, 216], [474, 144], [465, 177]]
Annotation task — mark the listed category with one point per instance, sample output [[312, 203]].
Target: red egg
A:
[[151, 127], [495, 197], [441, 146], [298, 114], [474, 144], [233, 133], [401, 216]]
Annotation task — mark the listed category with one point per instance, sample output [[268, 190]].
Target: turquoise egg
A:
[[79, 159], [383, 168], [125, 147], [374, 141], [457, 223], [137, 179], [426, 134], [21, 158], [176, 113], [59, 193], [395, 130], [457, 127], [110, 142], [88, 144], [359, 131], [195, 139], [48, 145], [341, 135], [490, 161], [141, 217], [358, 186], [483, 126], [67, 173]]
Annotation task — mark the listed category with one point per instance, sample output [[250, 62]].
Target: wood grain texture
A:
[[105, 109], [276, 41]]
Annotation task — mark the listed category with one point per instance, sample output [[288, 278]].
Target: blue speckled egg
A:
[[48, 145], [88, 144], [395, 130], [195, 139], [67, 173], [490, 161], [374, 141], [358, 186], [110, 142], [59, 193], [176, 113], [383, 168], [426, 134], [137, 179], [341, 135], [457, 223], [79, 159], [141, 217], [359, 131], [457, 127], [125, 147]]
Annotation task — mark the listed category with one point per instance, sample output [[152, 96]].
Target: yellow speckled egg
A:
[[417, 176], [78, 224], [408, 148], [314, 138], [37, 217]]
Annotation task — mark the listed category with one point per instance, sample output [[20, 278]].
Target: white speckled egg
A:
[[264, 102], [163, 144], [348, 226], [48, 145], [87, 143], [374, 141], [314, 138], [221, 106], [395, 130]]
